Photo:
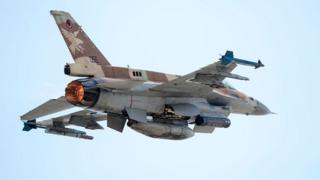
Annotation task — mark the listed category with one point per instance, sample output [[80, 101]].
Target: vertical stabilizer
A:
[[79, 44]]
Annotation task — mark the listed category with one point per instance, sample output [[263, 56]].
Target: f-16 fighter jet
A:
[[155, 104]]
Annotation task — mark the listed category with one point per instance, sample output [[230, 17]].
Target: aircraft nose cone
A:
[[261, 109]]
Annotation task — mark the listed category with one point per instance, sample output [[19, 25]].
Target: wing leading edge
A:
[[47, 108]]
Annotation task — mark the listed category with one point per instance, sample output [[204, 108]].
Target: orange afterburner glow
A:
[[74, 92]]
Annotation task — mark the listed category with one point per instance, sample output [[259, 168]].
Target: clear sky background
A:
[[173, 36]]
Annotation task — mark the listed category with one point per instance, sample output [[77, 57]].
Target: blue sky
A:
[[175, 37]]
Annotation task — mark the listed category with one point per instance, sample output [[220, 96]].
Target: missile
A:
[[69, 132], [259, 64], [228, 58], [32, 124]]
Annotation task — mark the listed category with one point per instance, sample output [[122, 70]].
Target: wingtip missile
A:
[[228, 58], [29, 124], [258, 64]]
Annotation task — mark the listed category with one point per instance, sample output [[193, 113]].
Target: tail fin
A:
[[229, 58], [229, 54], [30, 124], [78, 42]]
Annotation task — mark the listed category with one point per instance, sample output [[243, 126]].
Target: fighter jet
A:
[[155, 104]]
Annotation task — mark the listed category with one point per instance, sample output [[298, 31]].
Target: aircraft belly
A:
[[117, 102]]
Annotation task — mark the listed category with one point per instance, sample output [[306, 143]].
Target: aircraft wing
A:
[[212, 74], [47, 108], [208, 76]]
